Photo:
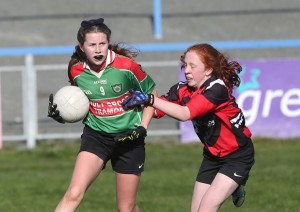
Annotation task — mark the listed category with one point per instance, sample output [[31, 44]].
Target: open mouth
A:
[[98, 57]]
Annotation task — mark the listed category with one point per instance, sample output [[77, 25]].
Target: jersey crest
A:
[[117, 88]]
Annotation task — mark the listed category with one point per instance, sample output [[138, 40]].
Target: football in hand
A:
[[72, 103]]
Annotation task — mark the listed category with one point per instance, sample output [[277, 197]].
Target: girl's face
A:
[[95, 48], [194, 70]]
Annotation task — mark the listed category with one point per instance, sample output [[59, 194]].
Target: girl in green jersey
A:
[[107, 73]]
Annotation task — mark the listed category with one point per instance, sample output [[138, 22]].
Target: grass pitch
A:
[[35, 180]]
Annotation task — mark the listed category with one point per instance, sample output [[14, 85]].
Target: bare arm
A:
[[181, 113]]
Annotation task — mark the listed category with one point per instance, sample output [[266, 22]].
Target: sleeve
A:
[[146, 83], [199, 106], [71, 80], [74, 71], [207, 101]]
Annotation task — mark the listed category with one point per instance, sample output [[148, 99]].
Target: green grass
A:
[[36, 180]]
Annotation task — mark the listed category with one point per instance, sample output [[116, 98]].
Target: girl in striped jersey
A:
[[206, 99]]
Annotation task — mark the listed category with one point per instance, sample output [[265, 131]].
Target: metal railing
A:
[[29, 77], [29, 98]]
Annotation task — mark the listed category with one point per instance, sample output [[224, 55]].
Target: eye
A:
[[103, 43]]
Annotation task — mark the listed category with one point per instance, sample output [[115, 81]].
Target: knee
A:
[[74, 194], [208, 206]]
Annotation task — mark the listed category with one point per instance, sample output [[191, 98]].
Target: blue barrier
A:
[[158, 47], [157, 19]]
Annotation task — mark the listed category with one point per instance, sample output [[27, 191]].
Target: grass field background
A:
[[35, 180]]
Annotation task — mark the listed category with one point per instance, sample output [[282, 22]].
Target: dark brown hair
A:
[[94, 26]]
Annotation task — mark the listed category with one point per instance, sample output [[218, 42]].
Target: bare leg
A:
[[199, 191], [220, 189], [87, 167], [127, 188]]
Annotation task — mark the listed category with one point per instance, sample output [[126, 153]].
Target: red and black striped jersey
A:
[[216, 117]]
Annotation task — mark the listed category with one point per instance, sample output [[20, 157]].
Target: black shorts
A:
[[126, 158], [236, 165]]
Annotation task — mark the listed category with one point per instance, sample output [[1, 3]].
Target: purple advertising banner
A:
[[269, 95]]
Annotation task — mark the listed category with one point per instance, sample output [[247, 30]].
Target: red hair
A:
[[218, 62]]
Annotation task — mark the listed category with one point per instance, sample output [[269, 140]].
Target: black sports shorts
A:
[[236, 165], [126, 157]]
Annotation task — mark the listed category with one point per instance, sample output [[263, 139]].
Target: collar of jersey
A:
[[109, 59]]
